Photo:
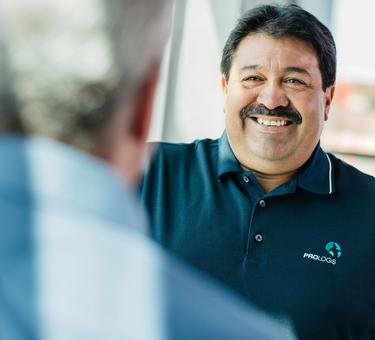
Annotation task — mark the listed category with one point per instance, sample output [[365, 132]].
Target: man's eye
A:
[[294, 81], [251, 78]]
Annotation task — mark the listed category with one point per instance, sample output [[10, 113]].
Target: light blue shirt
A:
[[75, 263]]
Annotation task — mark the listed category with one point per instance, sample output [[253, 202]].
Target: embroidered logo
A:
[[333, 249]]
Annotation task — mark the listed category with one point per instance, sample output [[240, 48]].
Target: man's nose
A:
[[272, 95]]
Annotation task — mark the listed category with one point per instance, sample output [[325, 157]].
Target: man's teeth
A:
[[280, 122]]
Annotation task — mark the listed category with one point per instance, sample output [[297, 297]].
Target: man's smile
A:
[[286, 115], [274, 121]]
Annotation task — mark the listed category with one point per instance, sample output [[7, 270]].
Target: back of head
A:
[[70, 66], [285, 21]]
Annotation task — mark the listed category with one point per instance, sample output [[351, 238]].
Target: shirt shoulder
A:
[[183, 156], [183, 150], [173, 164], [352, 178]]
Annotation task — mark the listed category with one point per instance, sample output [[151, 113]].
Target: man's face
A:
[[274, 74]]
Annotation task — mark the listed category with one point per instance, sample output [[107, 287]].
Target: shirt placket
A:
[[254, 251]]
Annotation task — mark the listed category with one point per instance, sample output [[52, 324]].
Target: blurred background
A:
[[189, 100]]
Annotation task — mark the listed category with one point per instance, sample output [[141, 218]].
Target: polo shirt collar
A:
[[316, 176], [227, 162]]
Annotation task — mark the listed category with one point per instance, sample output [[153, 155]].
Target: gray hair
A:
[[67, 64]]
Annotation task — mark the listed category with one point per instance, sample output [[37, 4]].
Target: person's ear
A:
[[129, 132], [329, 93], [224, 85], [143, 104]]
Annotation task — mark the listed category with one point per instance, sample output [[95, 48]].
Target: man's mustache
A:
[[289, 113]]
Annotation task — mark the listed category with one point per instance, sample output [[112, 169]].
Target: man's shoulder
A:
[[178, 148], [184, 152], [351, 176]]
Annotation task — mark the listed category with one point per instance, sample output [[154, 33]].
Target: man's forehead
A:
[[257, 50]]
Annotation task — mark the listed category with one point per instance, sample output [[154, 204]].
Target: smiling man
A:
[[264, 209], [275, 105]]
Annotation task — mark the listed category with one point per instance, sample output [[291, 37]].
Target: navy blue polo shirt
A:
[[304, 252]]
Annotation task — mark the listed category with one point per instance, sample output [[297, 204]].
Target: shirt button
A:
[[258, 238], [246, 179], [262, 203]]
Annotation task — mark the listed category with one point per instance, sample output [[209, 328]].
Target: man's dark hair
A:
[[285, 21]]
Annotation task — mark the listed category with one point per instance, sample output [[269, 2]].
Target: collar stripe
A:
[[330, 174]]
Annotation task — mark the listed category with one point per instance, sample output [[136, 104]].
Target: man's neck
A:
[[270, 182]]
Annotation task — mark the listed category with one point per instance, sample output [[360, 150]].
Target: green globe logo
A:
[[333, 249]]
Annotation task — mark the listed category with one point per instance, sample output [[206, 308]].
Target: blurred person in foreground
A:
[[76, 91], [264, 208]]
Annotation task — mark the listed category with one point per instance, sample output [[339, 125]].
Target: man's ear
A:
[[129, 132], [143, 104], [329, 93], [224, 85]]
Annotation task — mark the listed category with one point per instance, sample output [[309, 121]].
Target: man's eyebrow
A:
[[249, 67], [297, 70]]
